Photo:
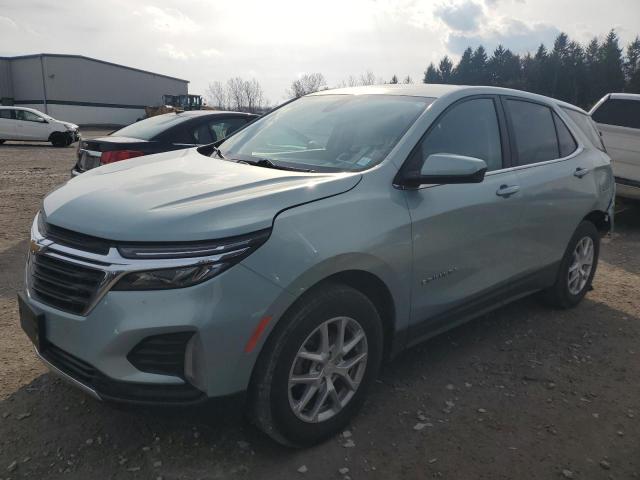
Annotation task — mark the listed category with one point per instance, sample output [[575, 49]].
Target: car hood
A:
[[183, 195], [73, 126]]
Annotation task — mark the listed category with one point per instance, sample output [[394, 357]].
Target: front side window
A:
[[328, 132], [534, 132], [585, 123], [470, 129], [28, 116], [619, 112]]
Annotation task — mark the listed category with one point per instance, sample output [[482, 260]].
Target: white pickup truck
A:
[[618, 118]]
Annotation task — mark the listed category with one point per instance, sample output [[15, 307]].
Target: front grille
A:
[[110, 389], [64, 285], [162, 354], [73, 239]]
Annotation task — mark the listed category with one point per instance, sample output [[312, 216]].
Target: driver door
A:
[[463, 234]]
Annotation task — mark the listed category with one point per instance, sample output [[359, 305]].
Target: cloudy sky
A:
[[275, 41]]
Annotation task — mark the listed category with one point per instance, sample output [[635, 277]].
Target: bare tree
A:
[[306, 84], [237, 94], [218, 95], [235, 91], [253, 95], [368, 78]]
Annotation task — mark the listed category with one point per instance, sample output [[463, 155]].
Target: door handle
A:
[[580, 172], [507, 190]]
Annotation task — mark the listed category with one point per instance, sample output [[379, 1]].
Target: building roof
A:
[[82, 57]]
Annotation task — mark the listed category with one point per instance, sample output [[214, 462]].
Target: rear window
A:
[[534, 131], [584, 123], [148, 128], [619, 112]]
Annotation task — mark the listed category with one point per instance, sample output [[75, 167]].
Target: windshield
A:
[[328, 132], [150, 127]]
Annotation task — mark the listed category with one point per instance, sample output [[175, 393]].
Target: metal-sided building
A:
[[83, 90]]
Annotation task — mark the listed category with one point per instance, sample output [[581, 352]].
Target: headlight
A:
[[212, 259], [70, 128], [169, 277]]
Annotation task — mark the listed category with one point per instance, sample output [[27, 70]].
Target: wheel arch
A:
[[601, 221]]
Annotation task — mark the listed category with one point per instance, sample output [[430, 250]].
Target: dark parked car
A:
[[162, 133]]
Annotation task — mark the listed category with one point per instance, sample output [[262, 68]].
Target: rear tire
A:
[[577, 268], [292, 411], [59, 140]]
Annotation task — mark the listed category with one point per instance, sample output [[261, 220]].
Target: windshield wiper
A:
[[266, 163], [217, 151]]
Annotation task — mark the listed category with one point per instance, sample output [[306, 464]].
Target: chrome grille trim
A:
[[114, 265]]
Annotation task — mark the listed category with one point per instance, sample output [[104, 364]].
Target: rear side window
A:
[[6, 114], [585, 123], [469, 128], [566, 142], [534, 131], [623, 113]]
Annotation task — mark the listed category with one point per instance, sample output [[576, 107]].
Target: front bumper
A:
[[91, 351], [90, 380]]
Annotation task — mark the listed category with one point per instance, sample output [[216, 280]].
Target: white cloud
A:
[[463, 17]]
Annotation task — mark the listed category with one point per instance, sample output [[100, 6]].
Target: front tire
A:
[[577, 268], [316, 367], [59, 140]]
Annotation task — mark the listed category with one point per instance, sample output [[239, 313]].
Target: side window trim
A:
[[502, 129]]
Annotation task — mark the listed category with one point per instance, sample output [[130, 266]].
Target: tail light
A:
[[117, 155]]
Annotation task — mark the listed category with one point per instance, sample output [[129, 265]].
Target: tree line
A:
[[578, 74], [570, 71]]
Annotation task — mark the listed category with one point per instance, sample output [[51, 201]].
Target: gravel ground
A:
[[524, 392]]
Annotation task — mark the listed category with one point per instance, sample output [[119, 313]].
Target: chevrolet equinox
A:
[[287, 261]]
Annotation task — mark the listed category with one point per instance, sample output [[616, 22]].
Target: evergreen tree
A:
[[407, 79], [479, 72], [431, 75], [445, 69], [611, 64], [394, 79], [462, 72], [632, 67]]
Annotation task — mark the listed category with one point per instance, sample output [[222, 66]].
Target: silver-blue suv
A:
[[289, 260]]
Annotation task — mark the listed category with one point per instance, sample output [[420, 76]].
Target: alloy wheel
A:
[[327, 369], [581, 266]]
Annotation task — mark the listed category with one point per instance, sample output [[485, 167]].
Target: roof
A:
[[197, 113], [435, 90], [82, 57], [624, 96]]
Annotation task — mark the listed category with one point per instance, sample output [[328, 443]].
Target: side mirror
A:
[[447, 168]]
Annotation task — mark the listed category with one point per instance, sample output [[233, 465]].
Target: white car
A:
[[20, 123], [618, 118]]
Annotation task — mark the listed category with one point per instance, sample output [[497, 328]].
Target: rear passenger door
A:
[[556, 181], [463, 234]]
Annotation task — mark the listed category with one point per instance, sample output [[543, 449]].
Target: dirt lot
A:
[[524, 392]]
